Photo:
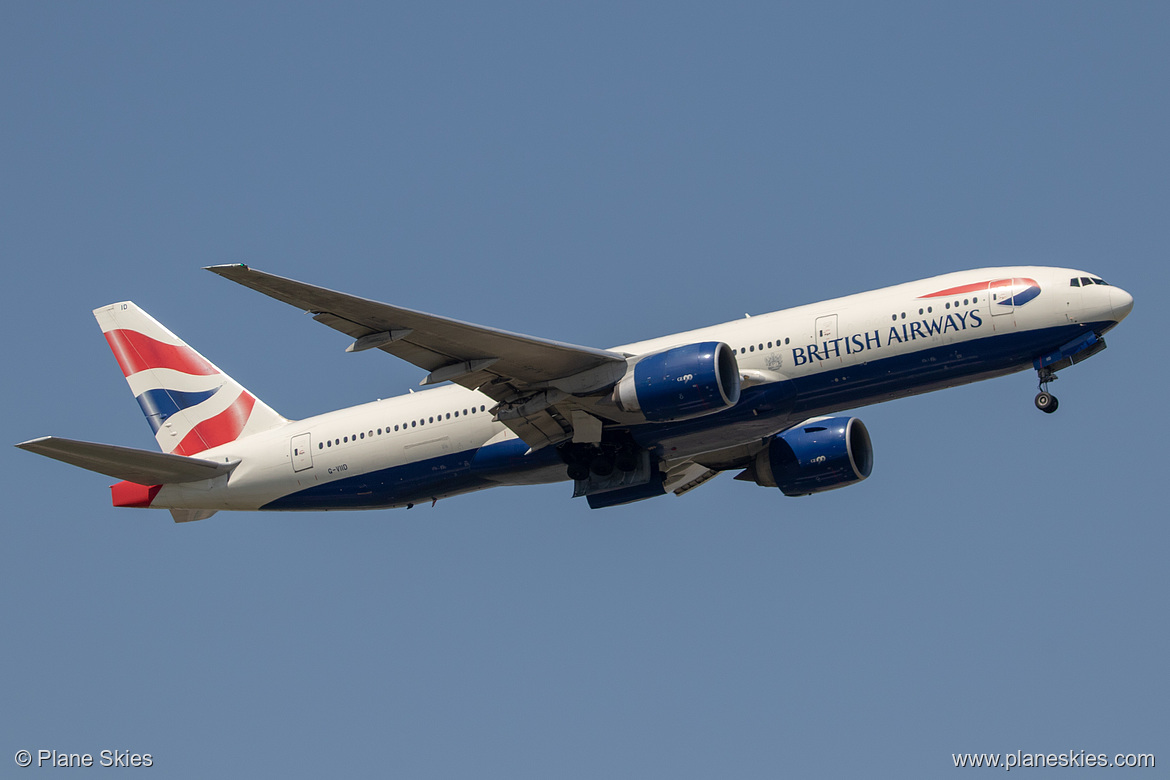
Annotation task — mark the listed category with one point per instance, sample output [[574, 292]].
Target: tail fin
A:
[[190, 404]]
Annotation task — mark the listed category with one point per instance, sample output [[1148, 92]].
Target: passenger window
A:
[[413, 423], [345, 439], [762, 347], [363, 436], [753, 348], [432, 419], [330, 443], [320, 446], [964, 301], [975, 300], [481, 408], [448, 415], [948, 304], [769, 345]]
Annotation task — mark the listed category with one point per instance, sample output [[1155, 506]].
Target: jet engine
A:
[[815, 456], [681, 382]]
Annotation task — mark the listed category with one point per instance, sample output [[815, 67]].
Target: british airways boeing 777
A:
[[756, 395]]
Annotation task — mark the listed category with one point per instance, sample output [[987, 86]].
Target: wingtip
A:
[[226, 268], [25, 445]]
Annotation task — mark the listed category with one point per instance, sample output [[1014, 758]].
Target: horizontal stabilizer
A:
[[144, 467]]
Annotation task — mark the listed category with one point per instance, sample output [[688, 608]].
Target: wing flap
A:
[[687, 476], [143, 467]]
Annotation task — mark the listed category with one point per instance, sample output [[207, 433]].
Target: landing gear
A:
[[601, 464], [578, 471], [1046, 401], [626, 459], [599, 460]]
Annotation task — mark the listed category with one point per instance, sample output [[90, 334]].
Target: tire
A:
[[578, 471], [1046, 402], [601, 465], [626, 460]]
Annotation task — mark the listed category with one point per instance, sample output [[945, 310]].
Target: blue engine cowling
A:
[[680, 383], [815, 456]]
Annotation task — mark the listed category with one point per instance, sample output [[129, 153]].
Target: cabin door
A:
[[999, 296], [302, 452], [826, 334]]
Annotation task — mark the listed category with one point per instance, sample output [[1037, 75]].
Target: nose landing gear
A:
[[1046, 401]]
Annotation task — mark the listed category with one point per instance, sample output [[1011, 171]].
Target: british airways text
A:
[[897, 334]]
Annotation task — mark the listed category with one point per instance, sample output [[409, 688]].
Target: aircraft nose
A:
[[1122, 303]]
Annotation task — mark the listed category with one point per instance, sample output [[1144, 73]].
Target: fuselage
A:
[[797, 363]]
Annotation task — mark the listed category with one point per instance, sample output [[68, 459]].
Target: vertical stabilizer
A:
[[190, 404]]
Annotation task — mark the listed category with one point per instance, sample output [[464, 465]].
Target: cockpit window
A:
[[1075, 282], [1100, 281], [1086, 281]]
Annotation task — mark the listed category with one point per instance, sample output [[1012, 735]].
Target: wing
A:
[[142, 467], [528, 376]]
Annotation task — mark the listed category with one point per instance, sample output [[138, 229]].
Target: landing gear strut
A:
[[1046, 401]]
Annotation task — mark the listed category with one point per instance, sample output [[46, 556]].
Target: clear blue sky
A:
[[595, 173]]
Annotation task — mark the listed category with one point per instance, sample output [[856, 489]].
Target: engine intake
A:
[[681, 382], [815, 456]]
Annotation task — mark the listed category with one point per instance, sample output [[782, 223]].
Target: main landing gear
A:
[[1046, 401], [599, 460]]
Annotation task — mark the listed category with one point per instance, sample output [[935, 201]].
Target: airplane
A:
[[762, 396]]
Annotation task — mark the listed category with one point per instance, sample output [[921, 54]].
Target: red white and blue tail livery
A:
[[761, 396], [191, 405]]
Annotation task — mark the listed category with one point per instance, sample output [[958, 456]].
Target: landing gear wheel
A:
[[578, 471], [626, 460], [601, 465], [1046, 402]]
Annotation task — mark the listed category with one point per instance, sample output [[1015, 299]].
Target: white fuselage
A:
[[832, 355]]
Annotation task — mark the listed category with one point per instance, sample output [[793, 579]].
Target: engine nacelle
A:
[[680, 383], [815, 456]]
